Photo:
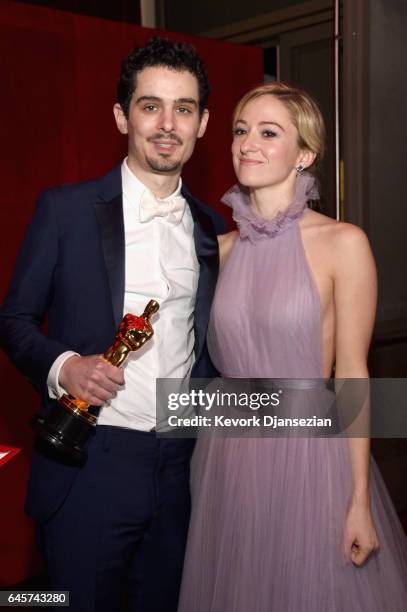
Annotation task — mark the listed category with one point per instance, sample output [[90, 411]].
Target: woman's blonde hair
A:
[[303, 110]]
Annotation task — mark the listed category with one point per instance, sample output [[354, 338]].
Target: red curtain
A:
[[59, 74]]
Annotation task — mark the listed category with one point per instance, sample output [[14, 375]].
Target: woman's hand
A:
[[360, 533]]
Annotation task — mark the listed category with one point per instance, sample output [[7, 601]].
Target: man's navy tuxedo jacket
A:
[[71, 268]]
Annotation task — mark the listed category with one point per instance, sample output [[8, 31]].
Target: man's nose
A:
[[167, 120]]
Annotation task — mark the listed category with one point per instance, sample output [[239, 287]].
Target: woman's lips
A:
[[250, 162]]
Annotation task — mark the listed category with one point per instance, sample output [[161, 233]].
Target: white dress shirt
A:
[[161, 264]]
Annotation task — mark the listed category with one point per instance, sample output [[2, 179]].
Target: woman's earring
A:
[[300, 168]]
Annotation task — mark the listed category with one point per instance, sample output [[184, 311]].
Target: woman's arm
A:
[[226, 242], [355, 295]]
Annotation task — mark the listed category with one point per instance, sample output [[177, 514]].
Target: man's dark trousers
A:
[[126, 516]]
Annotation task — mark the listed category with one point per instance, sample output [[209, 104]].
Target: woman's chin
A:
[[251, 182]]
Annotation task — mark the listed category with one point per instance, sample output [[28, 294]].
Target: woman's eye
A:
[[238, 132], [269, 133]]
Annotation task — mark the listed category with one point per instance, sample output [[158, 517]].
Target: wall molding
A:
[[257, 30]]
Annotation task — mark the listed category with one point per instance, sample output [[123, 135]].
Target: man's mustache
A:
[[173, 137]]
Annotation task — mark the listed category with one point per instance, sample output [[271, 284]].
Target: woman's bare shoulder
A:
[[226, 242], [340, 245], [342, 234]]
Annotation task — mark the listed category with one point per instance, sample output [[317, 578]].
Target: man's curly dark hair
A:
[[161, 52]]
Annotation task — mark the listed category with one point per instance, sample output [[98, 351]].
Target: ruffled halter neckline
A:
[[253, 227]]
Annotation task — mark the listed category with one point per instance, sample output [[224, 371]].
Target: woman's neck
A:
[[268, 201]]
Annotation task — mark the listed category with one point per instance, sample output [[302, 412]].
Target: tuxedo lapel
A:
[[109, 213], [207, 253]]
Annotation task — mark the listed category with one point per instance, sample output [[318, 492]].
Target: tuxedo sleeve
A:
[[29, 296], [219, 223]]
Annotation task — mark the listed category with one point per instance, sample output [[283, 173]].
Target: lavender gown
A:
[[267, 518]]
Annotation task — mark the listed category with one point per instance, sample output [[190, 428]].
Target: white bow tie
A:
[[150, 207]]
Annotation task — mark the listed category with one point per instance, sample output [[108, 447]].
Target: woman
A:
[[301, 524]]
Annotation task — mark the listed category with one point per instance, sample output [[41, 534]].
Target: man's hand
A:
[[91, 378]]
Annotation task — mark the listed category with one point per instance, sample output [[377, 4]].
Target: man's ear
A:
[[204, 123], [120, 117]]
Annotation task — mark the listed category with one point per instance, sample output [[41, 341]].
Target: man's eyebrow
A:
[[263, 123], [142, 99], [187, 101], [148, 99]]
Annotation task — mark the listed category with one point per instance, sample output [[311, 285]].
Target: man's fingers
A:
[[110, 372], [116, 375], [102, 386], [96, 395], [92, 400], [91, 378], [104, 375]]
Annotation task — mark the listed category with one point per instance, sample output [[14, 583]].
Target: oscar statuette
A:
[[64, 432]]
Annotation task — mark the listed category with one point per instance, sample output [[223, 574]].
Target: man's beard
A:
[[163, 165]]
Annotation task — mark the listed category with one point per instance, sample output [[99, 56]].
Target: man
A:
[[93, 252]]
